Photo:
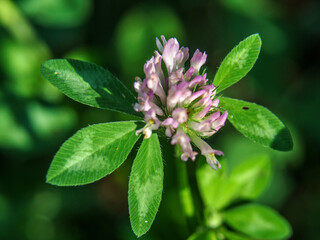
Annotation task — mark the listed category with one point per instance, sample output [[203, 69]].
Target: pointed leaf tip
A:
[[238, 62], [89, 84]]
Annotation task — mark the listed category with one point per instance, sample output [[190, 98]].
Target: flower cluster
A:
[[179, 100]]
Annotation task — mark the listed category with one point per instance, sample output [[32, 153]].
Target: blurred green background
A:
[[120, 35]]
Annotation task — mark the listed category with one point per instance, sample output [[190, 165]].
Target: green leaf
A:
[[258, 221], [145, 185], [214, 187], [238, 62], [218, 189], [251, 177], [232, 235], [89, 84], [257, 123], [92, 153]]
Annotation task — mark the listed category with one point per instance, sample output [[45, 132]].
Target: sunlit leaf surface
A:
[[92, 153], [145, 185], [257, 123]]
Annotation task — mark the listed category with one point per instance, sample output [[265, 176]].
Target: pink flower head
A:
[[169, 54], [182, 102], [197, 60], [183, 140], [208, 152], [176, 77]]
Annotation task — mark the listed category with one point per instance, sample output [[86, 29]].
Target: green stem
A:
[[189, 194]]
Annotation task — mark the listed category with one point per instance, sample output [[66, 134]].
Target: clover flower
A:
[[180, 100]]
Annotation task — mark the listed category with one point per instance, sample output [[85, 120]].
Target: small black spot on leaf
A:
[[245, 108]]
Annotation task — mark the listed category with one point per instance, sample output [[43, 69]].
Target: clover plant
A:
[[177, 101]]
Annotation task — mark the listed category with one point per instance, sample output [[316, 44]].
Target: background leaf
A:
[[213, 186], [257, 123], [92, 153], [258, 221], [238, 62], [219, 189], [232, 235], [89, 84], [145, 185], [251, 177], [204, 234]]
